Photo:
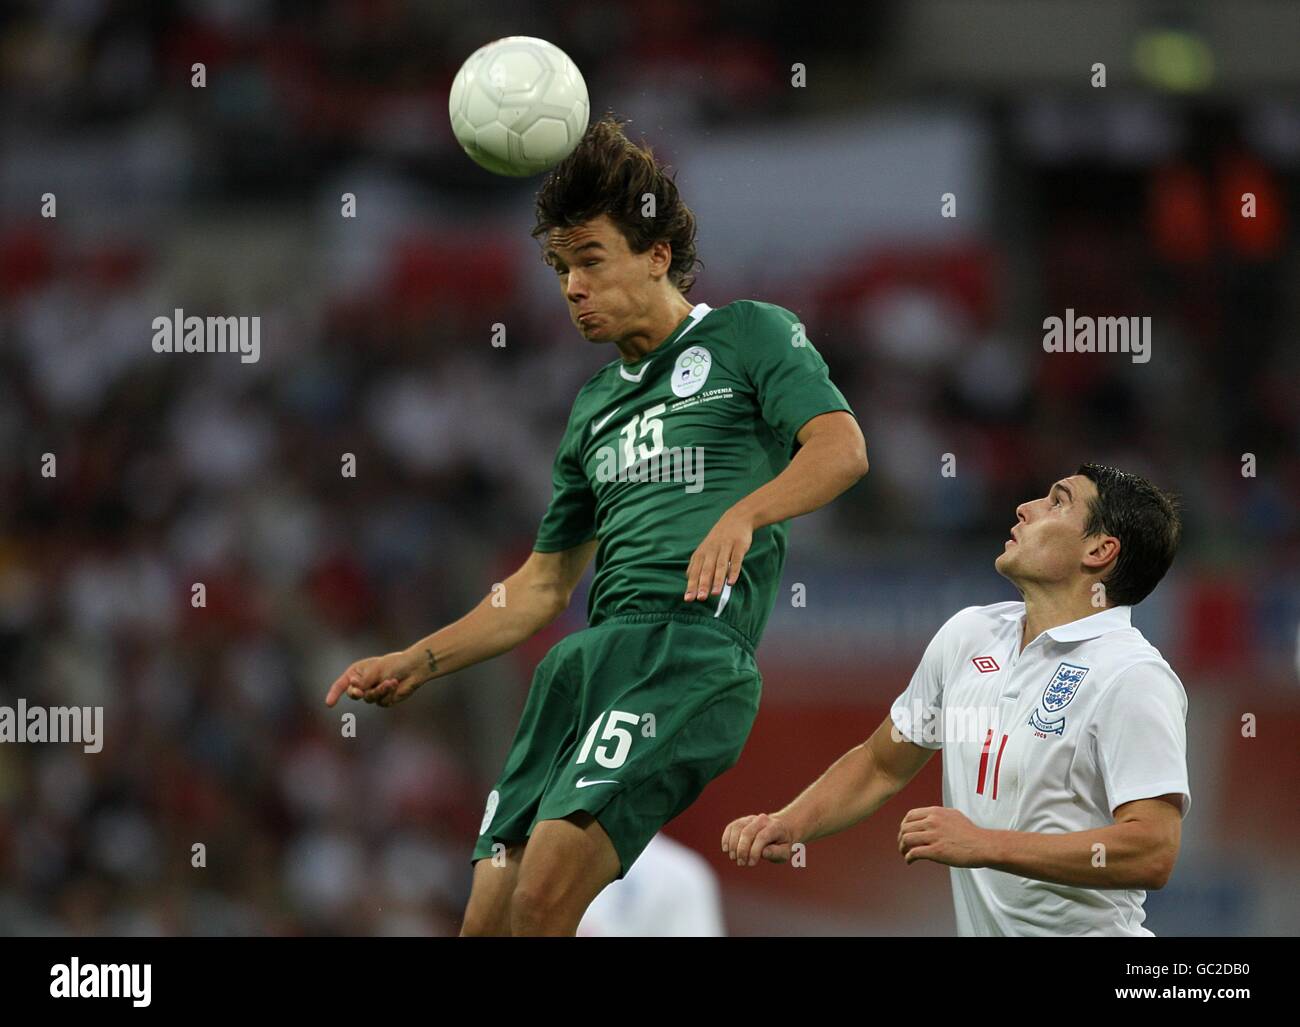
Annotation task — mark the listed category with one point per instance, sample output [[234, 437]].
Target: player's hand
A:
[[759, 834], [718, 557], [943, 835], [381, 679]]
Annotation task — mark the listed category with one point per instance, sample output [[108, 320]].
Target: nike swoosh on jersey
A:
[[604, 420], [583, 782]]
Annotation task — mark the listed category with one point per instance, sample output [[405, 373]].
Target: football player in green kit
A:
[[682, 462]]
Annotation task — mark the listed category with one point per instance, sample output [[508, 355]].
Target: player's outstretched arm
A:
[[832, 456], [1137, 851], [531, 598], [852, 788]]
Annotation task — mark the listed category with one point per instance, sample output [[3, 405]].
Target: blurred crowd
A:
[[227, 800]]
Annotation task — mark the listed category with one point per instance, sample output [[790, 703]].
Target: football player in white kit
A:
[[1063, 731], [670, 892]]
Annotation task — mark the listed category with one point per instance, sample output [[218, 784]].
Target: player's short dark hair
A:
[[1147, 524], [609, 174]]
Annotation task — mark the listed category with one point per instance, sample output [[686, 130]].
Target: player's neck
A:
[[660, 323], [1047, 610]]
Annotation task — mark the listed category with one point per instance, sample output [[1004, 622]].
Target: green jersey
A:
[[656, 451]]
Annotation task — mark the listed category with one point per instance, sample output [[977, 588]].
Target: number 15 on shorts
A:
[[612, 756]]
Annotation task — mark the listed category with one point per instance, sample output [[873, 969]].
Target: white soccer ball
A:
[[518, 105]]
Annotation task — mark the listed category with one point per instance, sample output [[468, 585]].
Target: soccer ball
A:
[[518, 105]]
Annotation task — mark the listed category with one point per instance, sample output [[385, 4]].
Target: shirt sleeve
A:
[[570, 519], [917, 713], [1140, 733], [790, 377]]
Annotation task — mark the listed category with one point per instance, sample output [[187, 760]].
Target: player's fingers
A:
[[706, 572], [720, 572], [368, 680], [692, 573], [779, 853], [739, 843], [920, 852], [697, 573], [731, 837], [913, 837], [376, 687], [339, 687], [737, 557], [746, 840], [771, 833]]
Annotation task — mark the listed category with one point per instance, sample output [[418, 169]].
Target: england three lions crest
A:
[[1057, 696]]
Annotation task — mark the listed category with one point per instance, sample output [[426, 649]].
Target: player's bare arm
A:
[[535, 595], [832, 456], [851, 789], [1138, 851]]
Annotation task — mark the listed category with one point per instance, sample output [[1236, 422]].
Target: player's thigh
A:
[[566, 864], [487, 912], [546, 728]]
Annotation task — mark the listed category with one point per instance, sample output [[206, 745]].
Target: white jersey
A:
[[669, 892], [1049, 740]]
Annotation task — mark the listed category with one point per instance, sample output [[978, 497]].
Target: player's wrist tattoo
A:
[[431, 661]]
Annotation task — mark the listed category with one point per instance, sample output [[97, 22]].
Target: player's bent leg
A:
[[566, 864], [487, 913]]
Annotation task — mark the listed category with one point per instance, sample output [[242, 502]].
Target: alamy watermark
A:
[[74, 979], [193, 334], [1098, 335], [81, 725], [674, 464], [947, 725]]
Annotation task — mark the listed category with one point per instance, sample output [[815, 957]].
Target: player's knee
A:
[[486, 924], [487, 914], [538, 906]]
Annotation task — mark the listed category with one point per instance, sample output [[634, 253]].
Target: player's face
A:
[[605, 285], [1047, 544]]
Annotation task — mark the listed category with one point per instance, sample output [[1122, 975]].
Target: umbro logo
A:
[[985, 664], [582, 782]]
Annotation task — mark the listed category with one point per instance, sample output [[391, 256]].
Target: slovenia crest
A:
[[690, 371]]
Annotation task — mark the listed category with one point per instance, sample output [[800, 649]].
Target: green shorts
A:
[[628, 721]]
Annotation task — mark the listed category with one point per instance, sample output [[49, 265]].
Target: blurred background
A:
[[1119, 200]]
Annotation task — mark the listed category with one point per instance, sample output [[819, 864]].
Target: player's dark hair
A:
[[609, 174], [1147, 524]]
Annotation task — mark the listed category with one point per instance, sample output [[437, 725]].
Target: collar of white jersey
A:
[[693, 318], [1092, 626]]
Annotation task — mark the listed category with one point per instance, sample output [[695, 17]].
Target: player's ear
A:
[[1100, 550], [661, 257]]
